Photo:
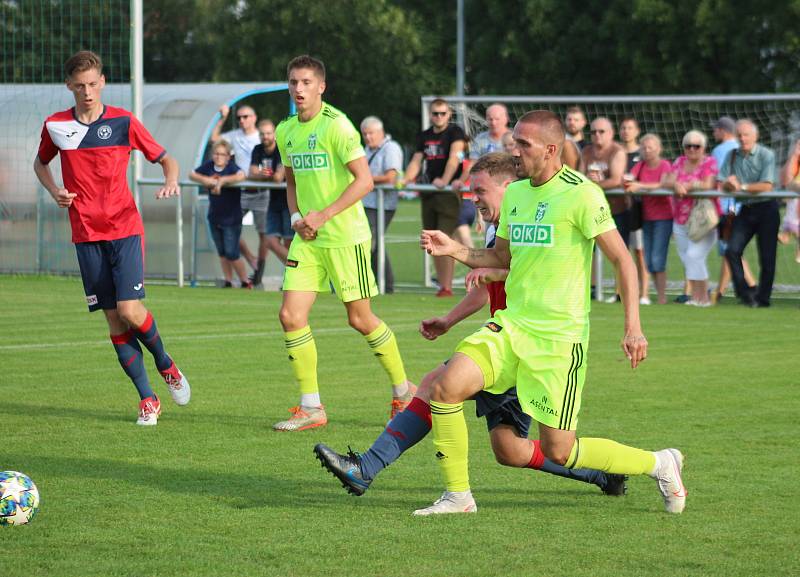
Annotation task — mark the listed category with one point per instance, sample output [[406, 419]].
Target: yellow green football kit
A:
[[318, 152], [539, 342]]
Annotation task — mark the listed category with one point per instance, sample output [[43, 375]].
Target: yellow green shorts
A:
[[312, 268], [548, 374]]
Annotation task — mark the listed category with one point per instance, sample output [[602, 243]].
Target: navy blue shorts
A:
[[279, 223], [226, 239], [502, 409], [112, 271], [467, 213]]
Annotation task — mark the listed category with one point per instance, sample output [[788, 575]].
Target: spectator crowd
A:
[[627, 164]]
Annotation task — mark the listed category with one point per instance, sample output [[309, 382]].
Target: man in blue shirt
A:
[[750, 169]]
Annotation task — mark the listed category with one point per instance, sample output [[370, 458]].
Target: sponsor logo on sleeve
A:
[[291, 263], [602, 216]]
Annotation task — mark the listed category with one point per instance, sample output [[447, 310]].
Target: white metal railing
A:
[[381, 189]]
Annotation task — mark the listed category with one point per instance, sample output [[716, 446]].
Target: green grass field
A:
[[213, 491]]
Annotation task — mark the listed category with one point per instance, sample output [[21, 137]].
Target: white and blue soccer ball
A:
[[19, 498]]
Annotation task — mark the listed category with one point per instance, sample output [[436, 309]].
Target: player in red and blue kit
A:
[[95, 142]]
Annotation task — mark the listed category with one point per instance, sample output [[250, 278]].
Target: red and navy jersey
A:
[[94, 165], [497, 289]]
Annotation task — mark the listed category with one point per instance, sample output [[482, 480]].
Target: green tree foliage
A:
[[633, 47], [383, 54], [375, 52]]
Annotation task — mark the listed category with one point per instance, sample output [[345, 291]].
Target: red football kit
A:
[[94, 165]]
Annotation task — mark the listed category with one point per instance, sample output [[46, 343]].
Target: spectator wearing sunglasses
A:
[[604, 162], [693, 171], [442, 148]]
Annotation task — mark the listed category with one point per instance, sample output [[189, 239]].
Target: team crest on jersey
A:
[[514, 211], [541, 208], [312, 141], [104, 132], [288, 144]]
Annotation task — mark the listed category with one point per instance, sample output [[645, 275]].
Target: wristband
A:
[[295, 217]]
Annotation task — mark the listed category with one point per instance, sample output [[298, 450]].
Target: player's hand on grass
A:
[[63, 197], [433, 328], [482, 276], [169, 189], [634, 345], [436, 243]]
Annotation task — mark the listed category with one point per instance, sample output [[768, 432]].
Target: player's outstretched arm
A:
[[170, 167], [61, 195], [634, 343], [474, 301], [437, 243], [354, 192], [479, 277]]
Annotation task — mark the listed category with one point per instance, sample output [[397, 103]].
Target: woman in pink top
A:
[[648, 174], [694, 171]]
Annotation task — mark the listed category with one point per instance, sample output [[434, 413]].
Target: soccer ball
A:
[[19, 498]]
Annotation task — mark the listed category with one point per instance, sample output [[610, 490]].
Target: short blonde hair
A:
[[652, 136], [222, 143], [694, 134]]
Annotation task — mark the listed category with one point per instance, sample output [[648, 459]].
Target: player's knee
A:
[[442, 392], [291, 320], [131, 313], [364, 323], [559, 454], [504, 457]]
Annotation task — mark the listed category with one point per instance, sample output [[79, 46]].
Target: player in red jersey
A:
[[95, 142]]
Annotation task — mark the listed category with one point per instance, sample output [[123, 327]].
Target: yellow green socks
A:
[[384, 346], [611, 457], [303, 356], [451, 443]]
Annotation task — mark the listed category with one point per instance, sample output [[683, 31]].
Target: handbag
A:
[[702, 220]]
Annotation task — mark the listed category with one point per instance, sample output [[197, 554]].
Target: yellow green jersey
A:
[[318, 151], [550, 230]]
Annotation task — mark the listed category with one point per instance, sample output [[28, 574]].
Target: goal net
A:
[[37, 37]]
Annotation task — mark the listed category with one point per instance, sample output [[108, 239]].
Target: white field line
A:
[[197, 337]]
